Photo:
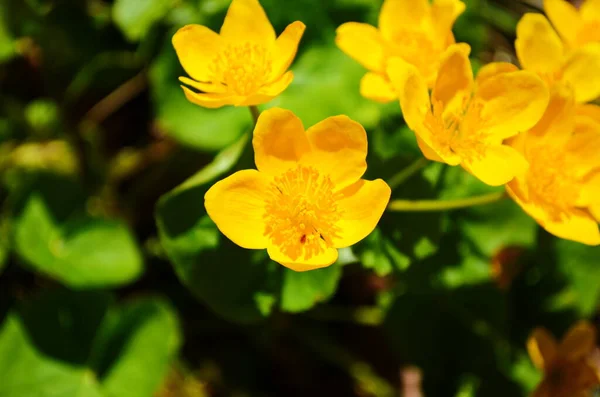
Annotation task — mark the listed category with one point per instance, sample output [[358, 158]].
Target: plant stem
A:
[[255, 113], [407, 172], [443, 205]]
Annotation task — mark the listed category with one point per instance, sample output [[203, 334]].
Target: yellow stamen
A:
[[302, 213], [243, 68]]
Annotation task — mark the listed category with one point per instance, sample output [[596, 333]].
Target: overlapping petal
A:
[[237, 205], [498, 165], [246, 20], [538, 46], [445, 13], [579, 341], [454, 84], [565, 18], [590, 10], [363, 43], [581, 72], [286, 47], [362, 205], [376, 87], [396, 15], [542, 348], [196, 48]]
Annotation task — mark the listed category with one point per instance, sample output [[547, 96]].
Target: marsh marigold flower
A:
[[561, 188], [465, 121], [540, 50], [415, 30], [568, 370], [307, 197], [576, 27], [244, 64]]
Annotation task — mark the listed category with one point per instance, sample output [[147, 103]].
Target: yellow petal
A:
[[210, 100], [512, 102], [429, 153], [326, 258], [590, 10], [445, 12], [564, 17], [246, 21], [581, 71], [589, 196], [493, 69], [589, 111], [398, 15], [454, 84], [558, 122], [279, 141], [339, 149], [286, 47], [542, 348], [578, 226], [412, 92], [376, 87], [538, 46], [362, 206], [215, 88], [498, 165], [196, 47], [579, 341], [237, 206], [269, 91], [363, 43]]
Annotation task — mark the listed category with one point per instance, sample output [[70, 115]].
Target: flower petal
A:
[[590, 111], [493, 69], [558, 122], [279, 141], [564, 17], [412, 92], [210, 100], [431, 154], [542, 348], [237, 205], [454, 84], [339, 149], [398, 15], [269, 91], [326, 258], [215, 88], [286, 47], [196, 48], [581, 71], [578, 226], [246, 21], [363, 43], [444, 13], [362, 206], [376, 87], [538, 46], [498, 165], [590, 10], [579, 341], [512, 102]]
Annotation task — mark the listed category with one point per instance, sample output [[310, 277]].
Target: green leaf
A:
[[234, 282], [67, 344], [189, 124], [7, 48], [302, 290], [136, 17], [326, 83], [54, 236]]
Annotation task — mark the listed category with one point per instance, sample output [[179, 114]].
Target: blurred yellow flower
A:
[[576, 27], [561, 188], [464, 121], [244, 64], [414, 30], [568, 371], [307, 197], [540, 50]]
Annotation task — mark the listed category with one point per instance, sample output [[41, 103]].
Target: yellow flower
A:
[[561, 188], [464, 121], [540, 50], [414, 30], [306, 199], [568, 371], [576, 27], [244, 64]]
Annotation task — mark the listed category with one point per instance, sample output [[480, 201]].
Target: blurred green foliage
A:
[[114, 282]]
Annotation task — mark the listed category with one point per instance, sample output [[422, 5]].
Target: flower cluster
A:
[[527, 128]]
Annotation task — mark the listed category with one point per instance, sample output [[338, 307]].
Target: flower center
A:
[[302, 213], [418, 49], [458, 132], [243, 68], [551, 185]]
